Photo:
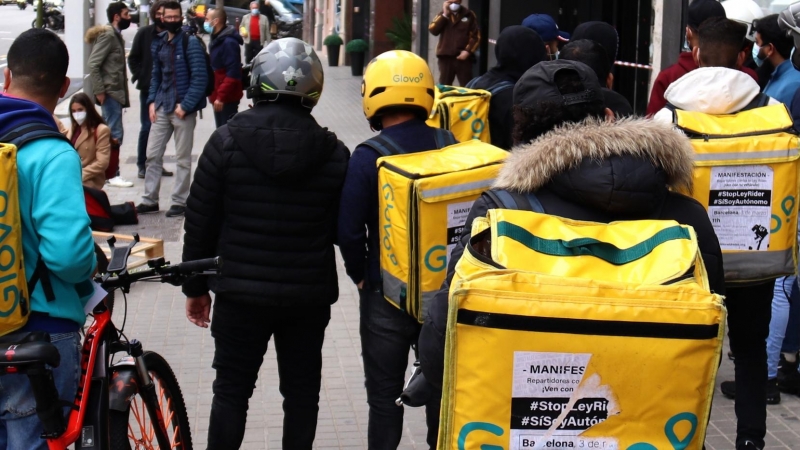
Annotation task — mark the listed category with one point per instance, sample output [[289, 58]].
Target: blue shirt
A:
[[784, 83]]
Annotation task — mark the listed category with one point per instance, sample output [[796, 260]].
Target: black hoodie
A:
[[265, 198], [518, 49]]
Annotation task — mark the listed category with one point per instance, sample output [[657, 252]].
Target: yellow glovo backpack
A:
[[424, 200], [464, 111], [747, 168], [14, 303], [570, 334]]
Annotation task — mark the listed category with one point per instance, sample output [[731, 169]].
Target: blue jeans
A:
[[778, 323], [791, 343], [144, 133], [20, 428], [112, 113]]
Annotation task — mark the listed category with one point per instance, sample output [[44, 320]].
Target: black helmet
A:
[[286, 66]]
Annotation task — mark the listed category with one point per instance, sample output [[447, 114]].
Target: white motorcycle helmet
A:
[[789, 21], [743, 11]]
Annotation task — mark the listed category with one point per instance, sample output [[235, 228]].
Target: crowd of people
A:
[[274, 192]]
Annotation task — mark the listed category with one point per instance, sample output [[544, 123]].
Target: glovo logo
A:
[[436, 258], [400, 78], [477, 126], [787, 206], [8, 260], [388, 195]]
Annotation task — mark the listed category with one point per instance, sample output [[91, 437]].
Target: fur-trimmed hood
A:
[[622, 166], [94, 32]]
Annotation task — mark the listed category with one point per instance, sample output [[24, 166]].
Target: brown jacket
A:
[[457, 32], [94, 148]]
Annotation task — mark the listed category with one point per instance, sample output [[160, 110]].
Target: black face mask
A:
[[172, 27], [124, 24], [158, 23]]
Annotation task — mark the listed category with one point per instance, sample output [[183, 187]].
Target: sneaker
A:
[[747, 445], [141, 173], [728, 389], [788, 376], [118, 181], [175, 211], [773, 394], [166, 173], [144, 208]]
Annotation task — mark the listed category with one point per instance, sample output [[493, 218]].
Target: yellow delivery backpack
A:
[[463, 111], [570, 334], [424, 201], [746, 175]]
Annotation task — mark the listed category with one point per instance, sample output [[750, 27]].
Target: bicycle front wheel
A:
[[134, 429]]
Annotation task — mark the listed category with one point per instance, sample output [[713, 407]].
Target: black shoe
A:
[[747, 445], [730, 356], [788, 376], [166, 173], [144, 208], [141, 173], [175, 211], [728, 389], [773, 394]]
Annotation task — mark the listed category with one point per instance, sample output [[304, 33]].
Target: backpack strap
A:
[[500, 87], [384, 145], [444, 138], [19, 137], [513, 200], [471, 84], [759, 101]]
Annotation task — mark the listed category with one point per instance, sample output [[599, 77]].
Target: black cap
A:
[[600, 32], [702, 10], [538, 85]]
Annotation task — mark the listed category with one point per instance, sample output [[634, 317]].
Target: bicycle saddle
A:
[[20, 349]]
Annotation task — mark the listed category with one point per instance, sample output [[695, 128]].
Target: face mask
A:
[[756, 51], [159, 23], [172, 27], [124, 24], [454, 7], [79, 117], [207, 26], [254, 12]]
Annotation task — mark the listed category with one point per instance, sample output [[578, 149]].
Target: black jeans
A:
[[251, 50], [228, 110], [387, 334], [144, 132], [241, 334], [749, 313]]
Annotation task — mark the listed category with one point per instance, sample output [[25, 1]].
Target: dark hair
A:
[[154, 8], [93, 119], [376, 122], [590, 53], [771, 33], [219, 13], [720, 42], [530, 123], [114, 9], [173, 5], [38, 61]]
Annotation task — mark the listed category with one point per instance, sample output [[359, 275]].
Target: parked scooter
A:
[[53, 18]]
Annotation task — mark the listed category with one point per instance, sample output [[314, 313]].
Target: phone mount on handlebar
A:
[[119, 255]]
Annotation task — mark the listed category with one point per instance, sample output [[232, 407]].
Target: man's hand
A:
[[152, 113], [180, 112], [101, 98], [198, 310], [446, 8], [360, 285], [463, 56], [218, 106]]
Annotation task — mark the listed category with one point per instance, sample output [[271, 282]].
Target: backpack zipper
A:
[[706, 137]]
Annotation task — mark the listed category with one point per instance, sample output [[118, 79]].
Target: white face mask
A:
[[454, 7], [79, 117]]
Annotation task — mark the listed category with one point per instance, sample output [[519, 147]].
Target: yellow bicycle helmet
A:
[[398, 79]]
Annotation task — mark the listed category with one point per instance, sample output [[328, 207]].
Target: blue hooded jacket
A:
[[55, 225]]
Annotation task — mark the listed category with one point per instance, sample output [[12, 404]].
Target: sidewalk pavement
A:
[[156, 317]]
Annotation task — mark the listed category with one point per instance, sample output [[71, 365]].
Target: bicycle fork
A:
[[147, 390]]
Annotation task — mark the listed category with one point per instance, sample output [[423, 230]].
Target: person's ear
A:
[[64, 88], [610, 117], [741, 58], [6, 79], [610, 81], [696, 55], [689, 36]]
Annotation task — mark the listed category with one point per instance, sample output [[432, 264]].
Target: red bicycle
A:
[[134, 403]]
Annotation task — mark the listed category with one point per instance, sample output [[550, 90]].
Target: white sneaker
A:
[[118, 181]]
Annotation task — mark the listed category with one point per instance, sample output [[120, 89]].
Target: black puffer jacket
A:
[[596, 171], [265, 198]]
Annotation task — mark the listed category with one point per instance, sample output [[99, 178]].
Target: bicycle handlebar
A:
[[174, 274], [200, 265]]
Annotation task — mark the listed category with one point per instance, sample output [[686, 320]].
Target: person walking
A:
[[255, 31], [226, 61], [176, 94], [140, 61], [91, 137], [266, 197], [109, 79], [459, 38]]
